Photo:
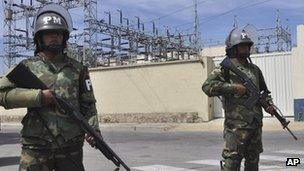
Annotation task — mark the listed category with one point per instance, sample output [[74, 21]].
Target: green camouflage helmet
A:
[[237, 36]]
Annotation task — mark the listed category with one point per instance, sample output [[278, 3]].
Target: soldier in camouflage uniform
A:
[[50, 139], [242, 127]]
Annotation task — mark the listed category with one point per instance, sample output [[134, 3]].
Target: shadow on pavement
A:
[[6, 161]]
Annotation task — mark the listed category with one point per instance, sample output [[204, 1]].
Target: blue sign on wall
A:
[[299, 109]]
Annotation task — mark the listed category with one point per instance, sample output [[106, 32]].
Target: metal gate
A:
[[276, 68]]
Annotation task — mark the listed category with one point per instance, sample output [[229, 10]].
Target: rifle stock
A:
[[17, 76]]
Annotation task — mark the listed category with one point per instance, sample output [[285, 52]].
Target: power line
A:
[[207, 19], [174, 12], [190, 22]]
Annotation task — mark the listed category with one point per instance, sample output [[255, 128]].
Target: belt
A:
[[61, 150]]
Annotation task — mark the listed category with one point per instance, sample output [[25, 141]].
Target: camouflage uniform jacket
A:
[[220, 83], [69, 79]]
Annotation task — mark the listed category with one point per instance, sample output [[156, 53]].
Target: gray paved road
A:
[[153, 149]]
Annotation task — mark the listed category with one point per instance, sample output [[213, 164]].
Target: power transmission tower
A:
[[276, 39], [99, 42], [16, 39], [197, 35], [90, 37]]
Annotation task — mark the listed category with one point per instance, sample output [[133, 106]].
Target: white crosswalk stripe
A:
[[291, 152], [9, 168], [210, 162], [269, 162], [6, 150], [263, 167], [273, 158], [161, 168]]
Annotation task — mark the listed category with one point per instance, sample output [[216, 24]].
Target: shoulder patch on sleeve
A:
[[88, 84], [85, 81]]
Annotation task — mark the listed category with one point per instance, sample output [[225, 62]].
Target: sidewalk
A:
[[270, 124]]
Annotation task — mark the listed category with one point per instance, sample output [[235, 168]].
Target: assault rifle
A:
[[255, 96], [22, 77]]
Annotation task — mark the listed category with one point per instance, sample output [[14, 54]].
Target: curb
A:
[[270, 124]]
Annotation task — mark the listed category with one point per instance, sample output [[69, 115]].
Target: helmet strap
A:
[[250, 61]]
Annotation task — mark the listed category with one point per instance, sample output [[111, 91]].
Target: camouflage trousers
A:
[[242, 143], [48, 160]]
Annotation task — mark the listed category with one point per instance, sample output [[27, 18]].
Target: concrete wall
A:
[[214, 51], [166, 88], [298, 64], [135, 93], [158, 92], [298, 75]]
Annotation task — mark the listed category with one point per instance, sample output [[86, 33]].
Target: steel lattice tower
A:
[[100, 42], [90, 37], [197, 35]]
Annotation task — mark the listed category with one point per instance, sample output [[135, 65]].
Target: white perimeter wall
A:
[[155, 88]]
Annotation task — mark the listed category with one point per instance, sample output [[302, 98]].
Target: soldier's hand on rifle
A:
[[239, 89], [271, 110], [90, 139], [47, 97]]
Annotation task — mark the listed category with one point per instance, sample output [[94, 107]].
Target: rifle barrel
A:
[[291, 133]]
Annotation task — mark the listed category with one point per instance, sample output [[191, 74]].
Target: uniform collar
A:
[[57, 63], [237, 63], [57, 59]]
